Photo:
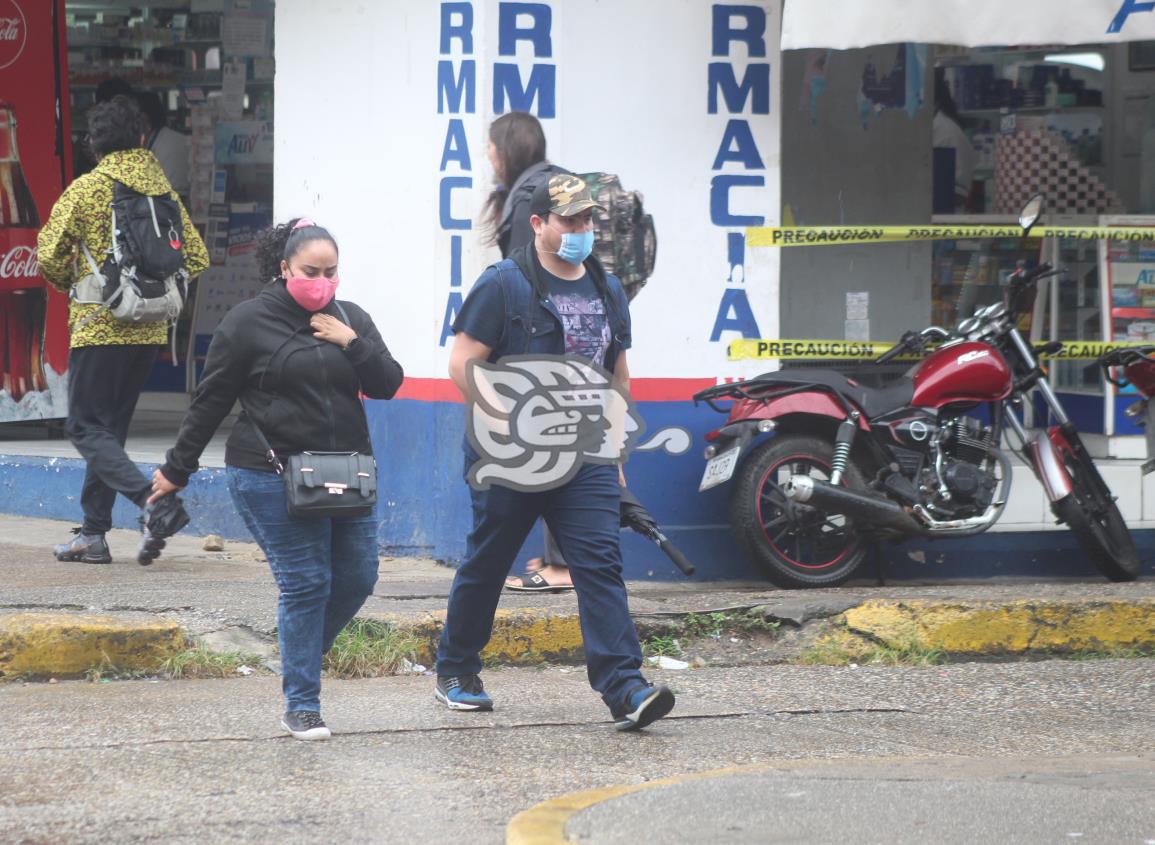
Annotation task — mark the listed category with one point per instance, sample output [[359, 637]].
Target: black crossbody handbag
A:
[[325, 484]]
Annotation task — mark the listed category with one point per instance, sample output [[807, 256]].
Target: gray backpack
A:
[[143, 279]]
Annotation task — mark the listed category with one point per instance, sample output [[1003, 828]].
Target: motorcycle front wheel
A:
[[1098, 527], [795, 546]]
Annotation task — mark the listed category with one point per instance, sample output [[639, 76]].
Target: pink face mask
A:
[[312, 294]]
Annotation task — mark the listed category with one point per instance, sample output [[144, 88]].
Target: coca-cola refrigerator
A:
[[35, 166]]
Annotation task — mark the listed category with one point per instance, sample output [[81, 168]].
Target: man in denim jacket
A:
[[551, 298]]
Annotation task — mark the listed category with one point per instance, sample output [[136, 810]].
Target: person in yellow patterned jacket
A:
[[109, 360]]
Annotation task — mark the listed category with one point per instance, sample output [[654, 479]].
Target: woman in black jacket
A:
[[298, 370]]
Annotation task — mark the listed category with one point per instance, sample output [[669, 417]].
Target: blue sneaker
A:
[[463, 692], [643, 706]]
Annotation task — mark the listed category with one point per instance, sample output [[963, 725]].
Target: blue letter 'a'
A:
[[738, 145], [734, 315], [452, 309], [456, 146]]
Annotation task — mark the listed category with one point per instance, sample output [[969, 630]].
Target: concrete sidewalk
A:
[[56, 616], [1026, 752]]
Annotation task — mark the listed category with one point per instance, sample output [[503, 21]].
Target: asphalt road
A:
[[1025, 752]]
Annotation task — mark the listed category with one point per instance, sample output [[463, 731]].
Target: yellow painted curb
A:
[[1009, 627], [544, 823], [523, 636], [61, 644]]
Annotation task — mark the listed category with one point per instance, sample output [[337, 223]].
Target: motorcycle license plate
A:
[[719, 469]]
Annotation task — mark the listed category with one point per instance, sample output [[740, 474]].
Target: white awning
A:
[[843, 24]]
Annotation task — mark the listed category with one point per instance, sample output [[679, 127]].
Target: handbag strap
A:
[[270, 453]]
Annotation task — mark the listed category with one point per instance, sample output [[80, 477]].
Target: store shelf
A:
[[1006, 110], [1131, 313]]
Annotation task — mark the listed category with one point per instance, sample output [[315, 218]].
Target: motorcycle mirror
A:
[[1031, 213]]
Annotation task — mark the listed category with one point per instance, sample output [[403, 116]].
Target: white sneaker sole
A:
[[457, 705], [311, 735], [656, 706]]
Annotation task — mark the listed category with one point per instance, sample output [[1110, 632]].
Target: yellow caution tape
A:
[[843, 235], [868, 350]]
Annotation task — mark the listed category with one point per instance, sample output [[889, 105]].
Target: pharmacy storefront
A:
[[395, 164], [722, 132]]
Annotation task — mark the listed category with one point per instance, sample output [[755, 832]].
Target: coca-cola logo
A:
[[20, 263], [13, 32]]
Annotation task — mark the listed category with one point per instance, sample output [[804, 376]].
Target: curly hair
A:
[[114, 126], [281, 242]]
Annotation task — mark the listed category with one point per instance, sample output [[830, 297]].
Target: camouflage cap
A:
[[564, 194]]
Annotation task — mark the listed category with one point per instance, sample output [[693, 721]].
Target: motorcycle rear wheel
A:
[[1100, 530], [795, 546]]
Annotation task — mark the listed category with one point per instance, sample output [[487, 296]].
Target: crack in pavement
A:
[[115, 608], [687, 717]]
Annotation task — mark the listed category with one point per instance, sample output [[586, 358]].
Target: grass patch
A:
[[715, 625], [106, 670], [662, 646], [702, 625], [202, 662], [368, 648], [1114, 653], [912, 653]]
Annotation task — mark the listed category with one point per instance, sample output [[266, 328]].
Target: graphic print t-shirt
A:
[[583, 317]]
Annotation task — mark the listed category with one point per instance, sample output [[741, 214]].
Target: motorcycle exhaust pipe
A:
[[867, 509]]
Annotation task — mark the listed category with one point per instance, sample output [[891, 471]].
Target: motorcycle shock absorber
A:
[[843, 441]]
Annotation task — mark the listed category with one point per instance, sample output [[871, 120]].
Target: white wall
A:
[[359, 144]]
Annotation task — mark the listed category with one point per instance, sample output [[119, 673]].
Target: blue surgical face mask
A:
[[576, 246]]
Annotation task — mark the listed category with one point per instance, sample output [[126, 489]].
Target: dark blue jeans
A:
[[324, 568], [583, 517]]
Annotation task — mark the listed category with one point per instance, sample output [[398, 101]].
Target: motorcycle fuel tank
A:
[[962, 373]]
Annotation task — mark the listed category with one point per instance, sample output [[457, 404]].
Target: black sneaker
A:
[[160, 520], [643, 706], [305, 724], [86, 548], [464, 692]]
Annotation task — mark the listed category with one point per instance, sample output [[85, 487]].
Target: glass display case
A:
[[1129, 304], [970, 274]]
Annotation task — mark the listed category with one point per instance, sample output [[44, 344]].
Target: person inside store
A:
[[109, 360], [947, 133], [170, 147], [553, 275], [298, 360], [516, 152]]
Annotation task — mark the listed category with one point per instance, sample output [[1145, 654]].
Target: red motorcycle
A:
[[1136, 366], [849, 465]]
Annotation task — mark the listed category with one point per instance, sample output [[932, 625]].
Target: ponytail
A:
[[281, 242]]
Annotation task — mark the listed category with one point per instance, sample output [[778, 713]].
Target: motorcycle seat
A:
[[874, 401]]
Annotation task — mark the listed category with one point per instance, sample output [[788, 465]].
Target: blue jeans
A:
[[583, 517], [324, 568]]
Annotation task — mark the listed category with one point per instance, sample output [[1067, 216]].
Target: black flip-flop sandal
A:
[[535, 583]]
